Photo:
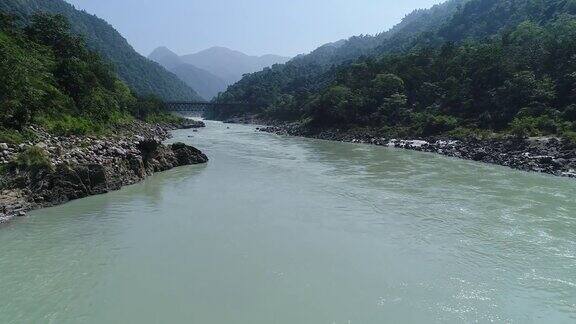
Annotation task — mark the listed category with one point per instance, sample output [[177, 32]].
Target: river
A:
[[290, 230]]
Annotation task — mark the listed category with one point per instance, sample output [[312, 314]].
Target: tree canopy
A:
[[142, 75], [49, 77], [472, 74]]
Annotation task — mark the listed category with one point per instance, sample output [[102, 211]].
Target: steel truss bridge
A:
[[200, 107]]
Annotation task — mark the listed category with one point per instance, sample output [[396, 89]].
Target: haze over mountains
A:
[[210, 71]]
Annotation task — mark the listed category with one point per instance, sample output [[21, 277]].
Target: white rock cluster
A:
[[85, 149]]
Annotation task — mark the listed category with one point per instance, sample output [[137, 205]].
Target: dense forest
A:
[[49, 77], [142, 75], [492, 66]]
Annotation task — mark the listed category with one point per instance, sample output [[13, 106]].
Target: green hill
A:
[[309, 73], [49, 77], [142, 75], [399, 37], [492, 66]]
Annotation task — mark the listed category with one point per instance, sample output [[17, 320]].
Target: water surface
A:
[[288, 230]]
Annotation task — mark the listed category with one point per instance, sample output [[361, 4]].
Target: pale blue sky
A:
[[251, 26]]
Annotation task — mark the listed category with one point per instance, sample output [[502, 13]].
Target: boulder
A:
[[186, 154], [188, 124], [479, 155]]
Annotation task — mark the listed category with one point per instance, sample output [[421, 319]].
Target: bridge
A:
[[200, 107]]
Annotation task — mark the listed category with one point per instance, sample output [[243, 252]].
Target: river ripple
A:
[[289, 230]]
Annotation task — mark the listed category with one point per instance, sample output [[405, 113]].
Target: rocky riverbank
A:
[[79, 166], [547, 155]]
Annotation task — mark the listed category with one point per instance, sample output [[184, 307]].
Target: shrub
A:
[[428, 125], [33, 158], [524, 127], [13, 136], [533, 126], [162, 118], [69, 125], [65, 125], [569, 136]]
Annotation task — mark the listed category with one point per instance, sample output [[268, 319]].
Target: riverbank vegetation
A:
[[495, 67], [49, 77]]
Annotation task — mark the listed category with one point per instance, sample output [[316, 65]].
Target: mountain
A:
[[230, 65], [142, 75], [210, 71], [165, 57], [49, 77], [398, 38], [462, 68], [205, 83], [312, 72]]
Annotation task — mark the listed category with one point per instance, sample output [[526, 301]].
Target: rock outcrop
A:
[[82, 166]]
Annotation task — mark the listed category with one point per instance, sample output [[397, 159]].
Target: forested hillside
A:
[[400, 37], [49, 77], [495, 66], [311, 72], [143, 76]]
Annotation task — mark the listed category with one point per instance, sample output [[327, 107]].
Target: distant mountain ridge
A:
[[231, 65], [210, 71], [205, 83], [142, 75], [398, 38]]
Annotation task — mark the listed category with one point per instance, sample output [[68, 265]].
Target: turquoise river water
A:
[[289, 230]]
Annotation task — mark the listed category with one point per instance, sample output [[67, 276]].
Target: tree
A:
[[54, 31], [525, 91], [331, 106], [49, 77], [387, 84], [528, 46], [393, 110], [7, 22]]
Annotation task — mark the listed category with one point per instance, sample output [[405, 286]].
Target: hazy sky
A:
[[286, 27]]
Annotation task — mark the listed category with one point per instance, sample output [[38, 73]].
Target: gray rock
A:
[[187, 155]]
